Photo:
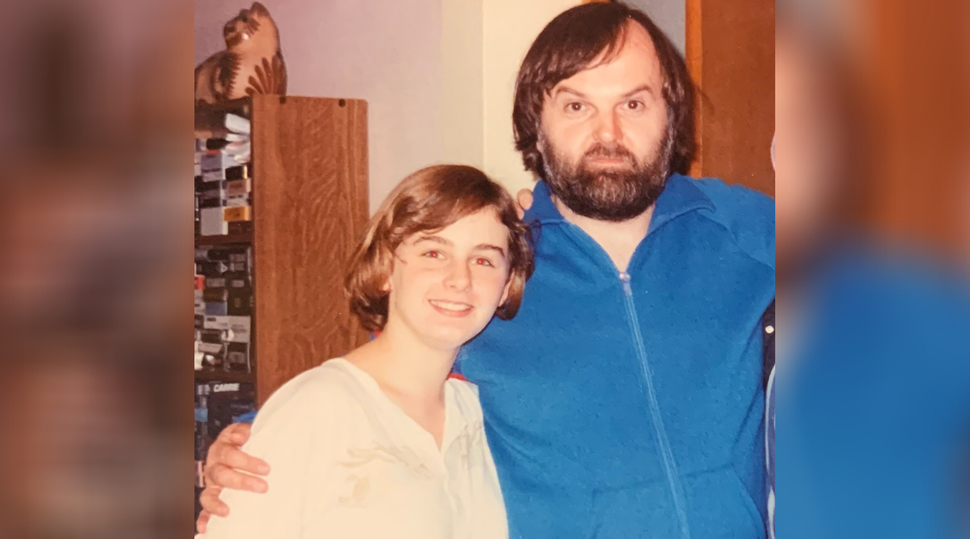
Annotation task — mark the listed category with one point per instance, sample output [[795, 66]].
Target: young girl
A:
[[382, 443]]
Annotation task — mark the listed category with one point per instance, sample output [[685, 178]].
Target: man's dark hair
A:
[[569, 44]]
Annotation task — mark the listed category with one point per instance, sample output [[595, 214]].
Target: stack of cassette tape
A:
[[223, 308], [217, 405], [223, 180]]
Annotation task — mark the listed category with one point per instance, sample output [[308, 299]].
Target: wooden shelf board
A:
[[223, 376], [224, 239]]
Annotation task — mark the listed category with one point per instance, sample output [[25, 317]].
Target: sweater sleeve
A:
[[290, 433]]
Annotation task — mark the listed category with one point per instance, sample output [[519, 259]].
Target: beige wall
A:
[[462, 94], [438, 75], [483, 43], [510, 26], [385, 51]]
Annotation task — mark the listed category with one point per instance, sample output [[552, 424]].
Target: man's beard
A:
[[608, 194]]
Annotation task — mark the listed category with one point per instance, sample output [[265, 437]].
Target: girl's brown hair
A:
[[428, 200]]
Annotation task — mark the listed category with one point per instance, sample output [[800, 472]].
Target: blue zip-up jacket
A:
[[875, 404], [626, 405]]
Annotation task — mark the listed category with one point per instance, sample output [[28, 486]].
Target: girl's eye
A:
[[432, 254], [484, 262]]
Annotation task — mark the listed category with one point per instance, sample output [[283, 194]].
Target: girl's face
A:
[[446, 284]]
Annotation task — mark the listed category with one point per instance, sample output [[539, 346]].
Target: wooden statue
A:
[[251, 64]]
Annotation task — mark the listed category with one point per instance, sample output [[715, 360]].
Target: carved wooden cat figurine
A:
[[251, 64]]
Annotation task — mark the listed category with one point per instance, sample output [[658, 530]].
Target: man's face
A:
[[806, 150], [604, 135]]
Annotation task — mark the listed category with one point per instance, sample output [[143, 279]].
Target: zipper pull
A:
[[625, 279]]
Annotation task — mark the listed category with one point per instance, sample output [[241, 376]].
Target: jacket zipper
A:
[[670, 465]]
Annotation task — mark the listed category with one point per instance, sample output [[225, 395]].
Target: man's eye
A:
[[574, 107], [634, 105]]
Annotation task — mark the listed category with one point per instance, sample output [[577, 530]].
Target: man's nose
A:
[[607, 127]]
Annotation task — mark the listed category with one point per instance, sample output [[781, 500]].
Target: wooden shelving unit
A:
[[309, 210]]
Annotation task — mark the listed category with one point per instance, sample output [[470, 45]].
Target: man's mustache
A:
[[613, 151]]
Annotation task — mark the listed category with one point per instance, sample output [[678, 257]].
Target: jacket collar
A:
[[680, 196]]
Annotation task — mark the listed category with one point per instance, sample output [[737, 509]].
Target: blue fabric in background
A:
[[873, 418], [245, 418]]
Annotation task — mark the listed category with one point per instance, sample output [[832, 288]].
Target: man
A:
[[625, 399]]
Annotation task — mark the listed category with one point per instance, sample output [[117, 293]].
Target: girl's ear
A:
[[389, 264], [505, 293]]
